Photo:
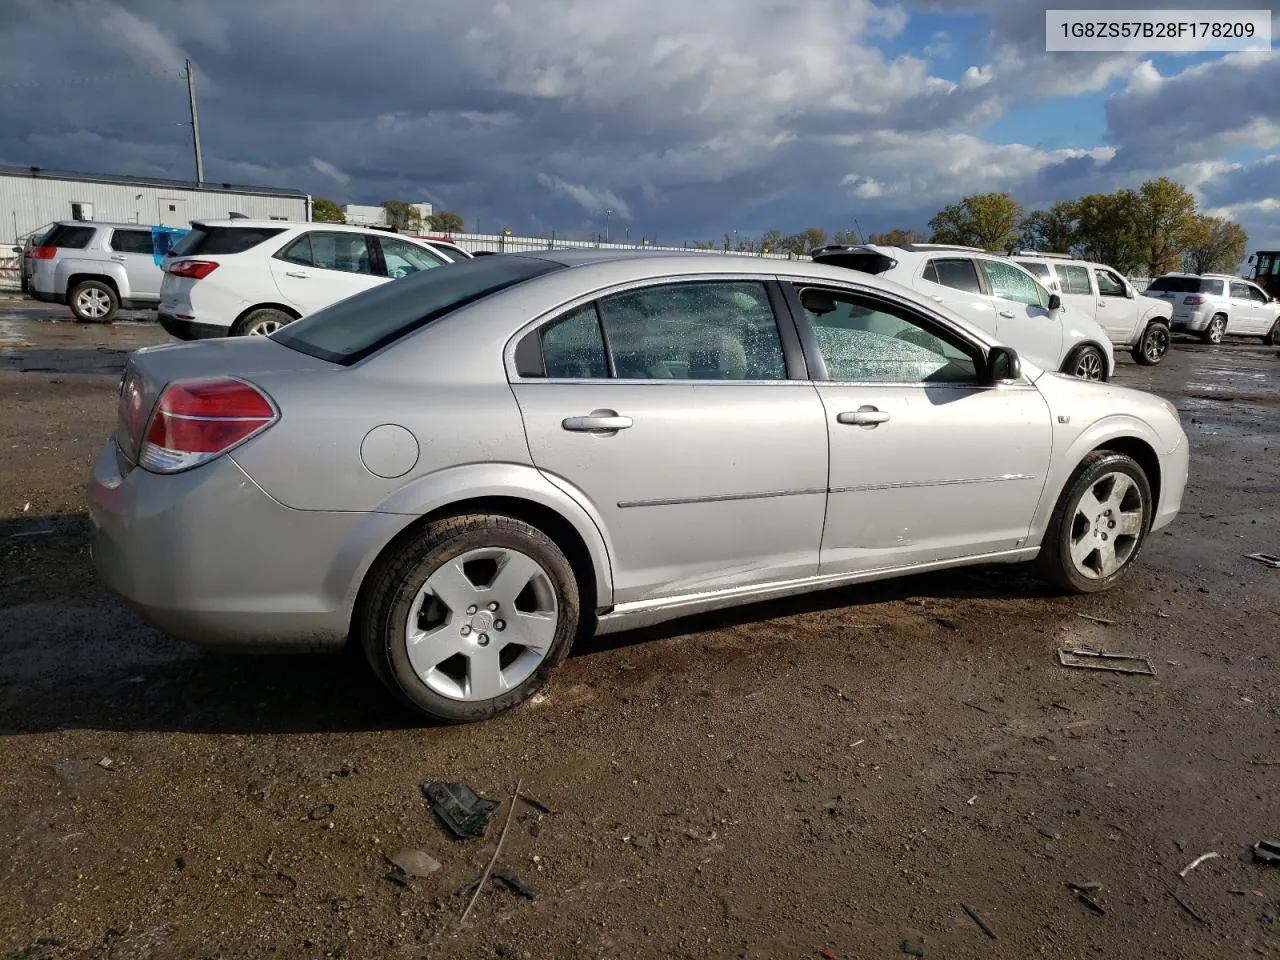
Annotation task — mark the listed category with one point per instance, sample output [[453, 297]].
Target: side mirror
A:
[[1003, 364], [1055, 301], [1128, 292]]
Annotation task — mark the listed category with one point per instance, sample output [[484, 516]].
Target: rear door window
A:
[[958, 273], [401, 258], [1075, 279], [68, 237], [345, 252], [131, 241], [210, 241]]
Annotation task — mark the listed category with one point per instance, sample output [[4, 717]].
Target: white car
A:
[[251, 277], [1133, 321], [447, 248], [996, 295], [1214, 304]]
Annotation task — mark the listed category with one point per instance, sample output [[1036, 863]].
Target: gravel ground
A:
[[835, 773]]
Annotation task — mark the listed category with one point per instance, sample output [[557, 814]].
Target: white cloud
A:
[[593, 200], [329, 170]]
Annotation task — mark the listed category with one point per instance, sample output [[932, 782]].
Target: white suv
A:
[[994, 294], [1215, 304], [251, 277], [1134, 322]]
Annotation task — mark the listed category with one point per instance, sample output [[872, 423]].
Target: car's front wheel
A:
[[1154, 344], [93, 301], [469, 617], [1087, 363], [1098, 525], [1216, 330]]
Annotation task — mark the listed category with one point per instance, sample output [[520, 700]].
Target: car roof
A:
[[103, 223]]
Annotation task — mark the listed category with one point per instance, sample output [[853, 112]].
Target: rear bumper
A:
[[211, 559], [1195, 322], [190, 329]]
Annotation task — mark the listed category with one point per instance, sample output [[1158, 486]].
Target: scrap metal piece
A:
[[1197, 861], [459, 807], [1135, 663], [1269, 559], [1267, 851]]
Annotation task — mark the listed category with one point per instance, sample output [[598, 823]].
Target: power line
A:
[[46, 80]]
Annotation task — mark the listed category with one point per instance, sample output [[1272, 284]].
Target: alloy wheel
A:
[[93, 303], [1089, 365], [1106, 526], [1155, 344]]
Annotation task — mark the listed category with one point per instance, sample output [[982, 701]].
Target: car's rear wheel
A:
[[92, 301], [469, 617], [1087, 363], [1154, 344], [1272, 336], [1216, 330], [1099, 524], [262, 322]]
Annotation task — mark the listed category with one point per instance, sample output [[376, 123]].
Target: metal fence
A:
[[10, 272], [499, 243]]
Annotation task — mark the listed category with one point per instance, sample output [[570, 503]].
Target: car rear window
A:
[[352, 329], [70, 238], [208, 241], [1185, 285]]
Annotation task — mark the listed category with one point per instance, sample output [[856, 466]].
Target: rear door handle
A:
[[602, 421], [1007, 314], [862, 417], [296, 275]]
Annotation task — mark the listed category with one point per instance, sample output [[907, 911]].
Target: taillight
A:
[[1193, 301], [192, 269], [198, 420], [42, 253]]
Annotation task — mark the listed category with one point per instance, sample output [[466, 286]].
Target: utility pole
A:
[[195, 123], [607, 215]]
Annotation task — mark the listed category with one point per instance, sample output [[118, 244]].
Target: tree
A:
[[1107, 229], [1165, 224], [987, 220], [402, 215], [1216, 245], [896, 237], [847, 238], [1052, 230], [771, 242], [324, 210], [446, 221]]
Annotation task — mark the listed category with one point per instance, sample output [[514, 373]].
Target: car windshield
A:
[[1182, 285], [353, 328], [204, 240]]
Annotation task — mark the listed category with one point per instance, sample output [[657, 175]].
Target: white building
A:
[[359, 215], [32, 198]]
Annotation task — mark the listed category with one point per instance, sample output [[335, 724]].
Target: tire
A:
[[1216, 330], [1082, 553], [1153, 345], [1087, 363], [92, 301], [431, 581], [262, 322], [1272, 336]]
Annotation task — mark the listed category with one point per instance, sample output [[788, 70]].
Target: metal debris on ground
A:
[[1135, 663], [1092, 904], [496, 850], [1092, 619], [1087, 886], [1267, 851], [537, 804], [414, 863], [1190, 909], [1197, 861], [976, 918], [515, 884], [106, 763], [465, 813], [1270, 559]]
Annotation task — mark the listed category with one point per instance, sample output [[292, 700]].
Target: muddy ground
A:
[[839, 772]]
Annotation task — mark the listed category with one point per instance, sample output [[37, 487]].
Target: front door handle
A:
[[1007, 314], [598, 421], [296, 275], [862, 417], [118, 259]]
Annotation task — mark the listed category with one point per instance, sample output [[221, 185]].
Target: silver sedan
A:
[[465, 470]]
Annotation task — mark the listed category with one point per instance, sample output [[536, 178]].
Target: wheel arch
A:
[[1108, 355], [283, 308], [75, 279]]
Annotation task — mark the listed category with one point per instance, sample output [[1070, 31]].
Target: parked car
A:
[[446, 248], [97, 268], [1213, 305], [1132, 321], [465, 470], [250, 278], [994, 293]]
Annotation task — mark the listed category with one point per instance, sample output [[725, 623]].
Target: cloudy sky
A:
[[687, 119]]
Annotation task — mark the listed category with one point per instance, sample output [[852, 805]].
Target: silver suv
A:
[[1132, 321], [98, 268], [1215, 304]]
